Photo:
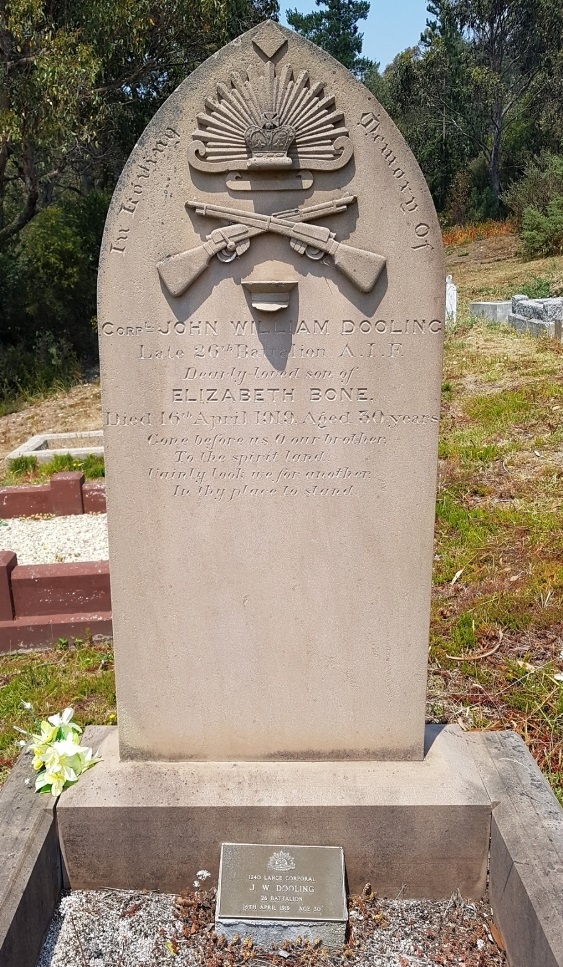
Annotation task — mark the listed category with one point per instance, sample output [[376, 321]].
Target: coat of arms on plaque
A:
[[282, 862]]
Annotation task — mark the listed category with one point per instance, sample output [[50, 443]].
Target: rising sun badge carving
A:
[[281, 861], [268, 119]]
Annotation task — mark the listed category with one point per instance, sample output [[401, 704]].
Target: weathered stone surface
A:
[[30, 868], [275, 469], [535, 327], [546, 310], [526, 865], [492, 311], [421, 828]]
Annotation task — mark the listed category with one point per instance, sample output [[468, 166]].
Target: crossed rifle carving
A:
[[361, 267]]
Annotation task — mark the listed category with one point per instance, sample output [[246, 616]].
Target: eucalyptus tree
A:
[[334, 27], [69, 70]]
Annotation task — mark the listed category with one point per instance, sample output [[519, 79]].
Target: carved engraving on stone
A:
[[269, 296], [292, 181], [361, 267], [267, 119], [269, 39], [281, 861]]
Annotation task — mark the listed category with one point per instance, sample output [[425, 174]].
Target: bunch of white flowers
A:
[[58, 757]]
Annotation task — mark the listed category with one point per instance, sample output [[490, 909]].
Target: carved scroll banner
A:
[[271, 317]]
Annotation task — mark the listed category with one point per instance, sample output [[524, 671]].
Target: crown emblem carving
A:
[[269, 119], [282, 862], [269, 142]]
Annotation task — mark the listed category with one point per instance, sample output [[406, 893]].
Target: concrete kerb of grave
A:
[[526, 846], [537, 317], [30, 868], [490, 311], [45, 446]]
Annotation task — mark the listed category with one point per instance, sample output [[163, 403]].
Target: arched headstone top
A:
[[272, 121], [271, 315]]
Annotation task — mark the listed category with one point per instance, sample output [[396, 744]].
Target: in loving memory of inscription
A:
[[142, 172]]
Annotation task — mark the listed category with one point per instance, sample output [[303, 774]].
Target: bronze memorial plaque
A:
[[265, 882]]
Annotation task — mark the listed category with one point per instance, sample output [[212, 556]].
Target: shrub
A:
[[26, 370], [536, 288], [541, 182], [48, 297], [542, 233]]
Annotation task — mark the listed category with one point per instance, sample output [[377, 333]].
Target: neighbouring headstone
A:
[[271, 315], [277, 893], [451, 300], [538, 317]]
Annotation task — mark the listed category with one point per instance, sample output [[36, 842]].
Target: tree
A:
[[69, 69], [513, 50], [423, 89], [335, 29]]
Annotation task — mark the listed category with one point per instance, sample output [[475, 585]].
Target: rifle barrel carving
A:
[[360, 266]]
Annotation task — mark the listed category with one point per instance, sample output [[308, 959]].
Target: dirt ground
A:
[[493, 268], [77, 409]]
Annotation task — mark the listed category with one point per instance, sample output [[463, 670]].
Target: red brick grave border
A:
[[44, 602]]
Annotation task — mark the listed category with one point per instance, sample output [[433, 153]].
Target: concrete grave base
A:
[[416, 828], [491, 311], [526, 843]]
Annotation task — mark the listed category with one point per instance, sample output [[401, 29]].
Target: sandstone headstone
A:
[[271, 390]]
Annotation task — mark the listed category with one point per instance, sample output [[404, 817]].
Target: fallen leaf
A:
[[497, 936], [457, 575]]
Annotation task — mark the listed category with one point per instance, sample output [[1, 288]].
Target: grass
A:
[[28, 470], [80, 675], [498, 570]]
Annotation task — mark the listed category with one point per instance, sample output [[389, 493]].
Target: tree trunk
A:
[[494, 160]]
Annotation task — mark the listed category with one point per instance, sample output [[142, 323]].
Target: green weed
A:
[[22, 466], [28, 468]]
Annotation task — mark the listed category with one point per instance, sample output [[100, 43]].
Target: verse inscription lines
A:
[[225, 467]]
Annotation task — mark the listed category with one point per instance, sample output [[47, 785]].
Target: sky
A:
[[389, 29]]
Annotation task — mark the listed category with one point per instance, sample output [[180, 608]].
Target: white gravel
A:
[[55, 540], [113, 928]]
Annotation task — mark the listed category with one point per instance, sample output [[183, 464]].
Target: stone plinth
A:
[[420, 827]]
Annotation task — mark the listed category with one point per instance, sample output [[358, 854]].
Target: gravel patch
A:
[[113, 928], [55, 540]]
